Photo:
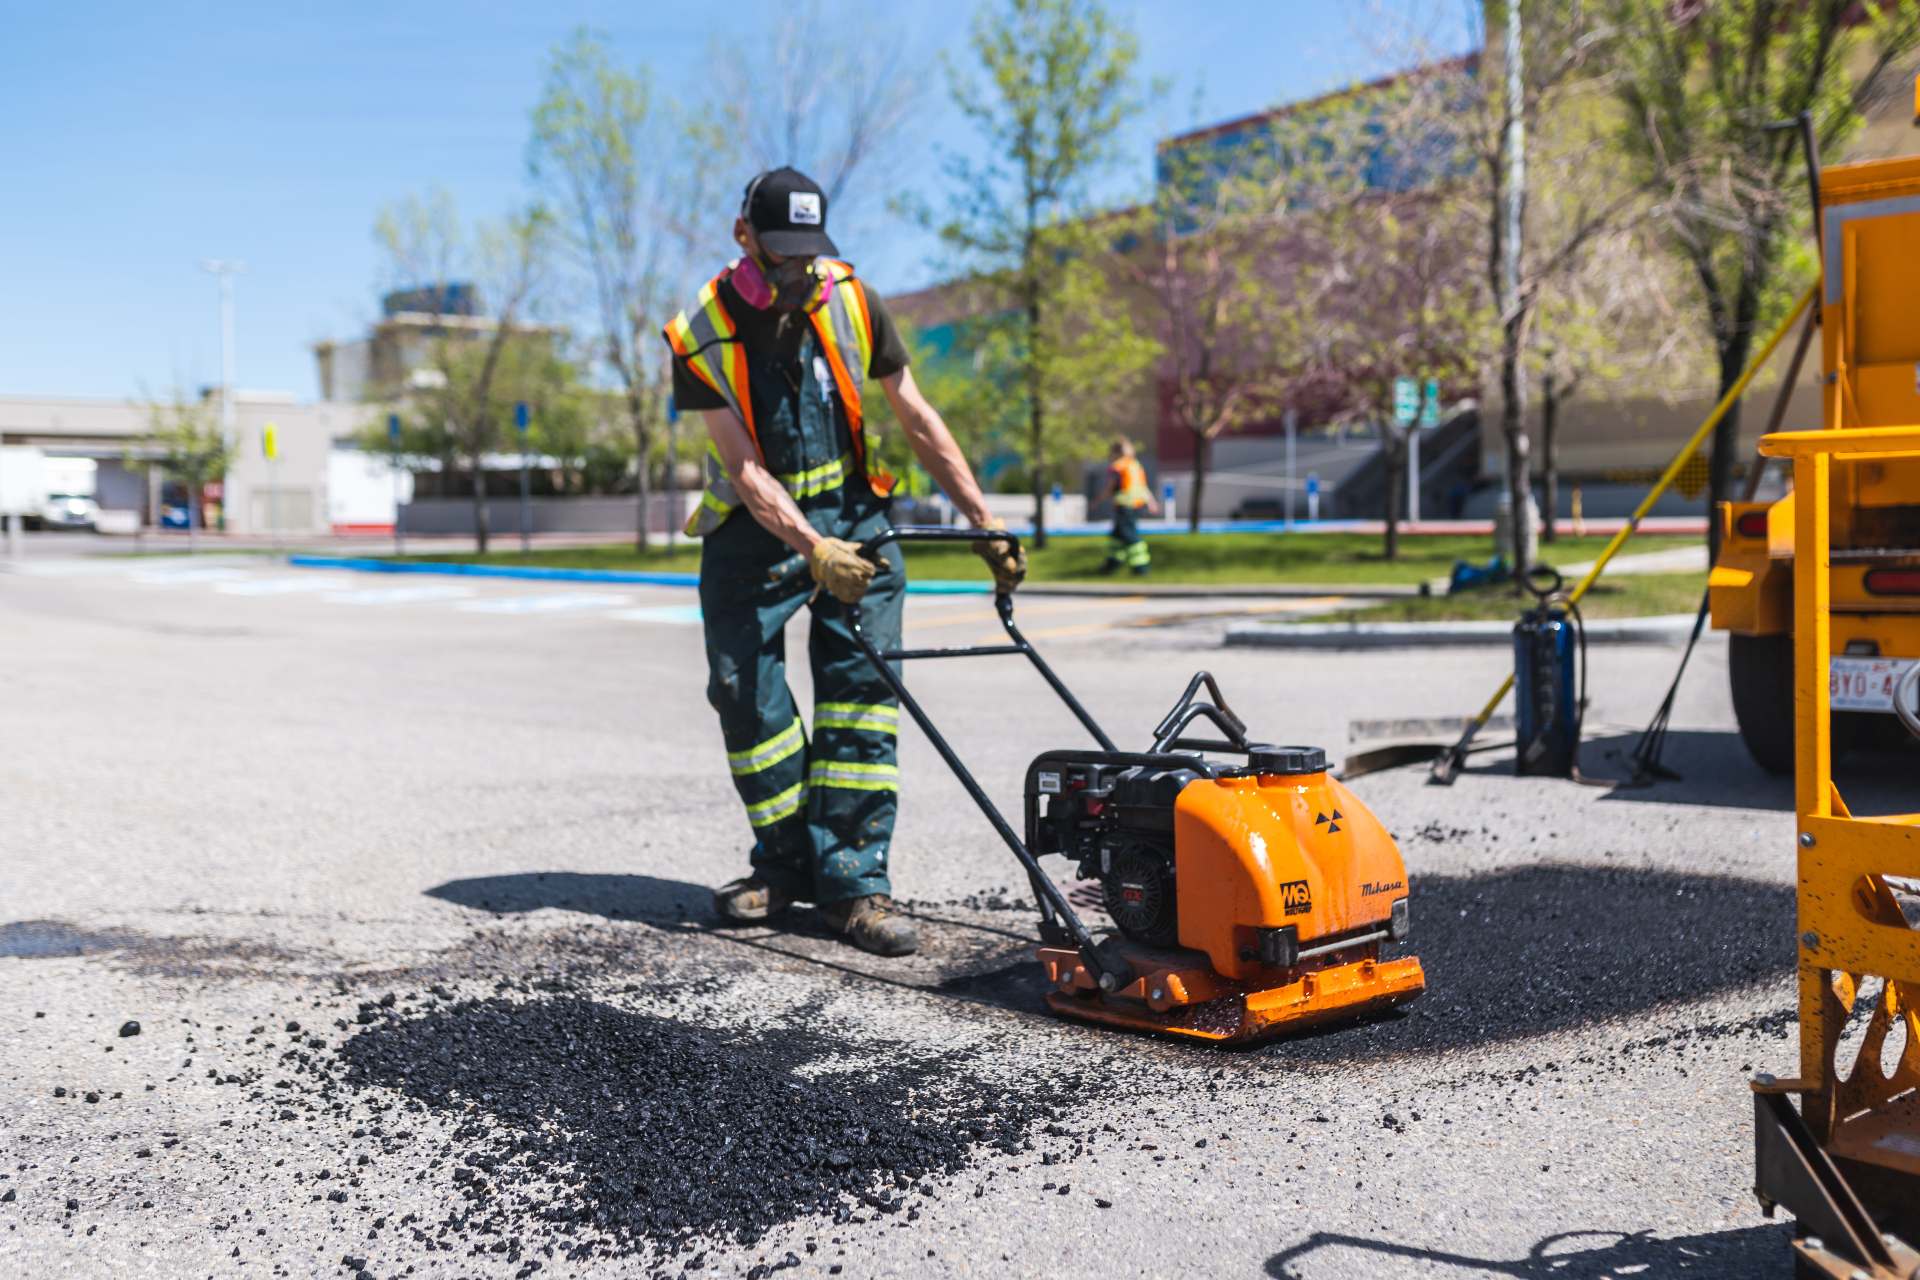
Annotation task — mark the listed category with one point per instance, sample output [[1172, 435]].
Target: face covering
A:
[[786, 287]]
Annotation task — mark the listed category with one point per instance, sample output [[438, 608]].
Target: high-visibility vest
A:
[[1131, 483], [708, 340]]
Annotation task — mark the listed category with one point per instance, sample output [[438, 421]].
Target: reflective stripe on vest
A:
[[707, 339], [1133, 483]]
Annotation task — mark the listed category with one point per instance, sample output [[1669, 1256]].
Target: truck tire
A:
[[1760, 671]]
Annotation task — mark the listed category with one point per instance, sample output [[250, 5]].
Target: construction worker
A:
[[1127, 487], [776, 353]]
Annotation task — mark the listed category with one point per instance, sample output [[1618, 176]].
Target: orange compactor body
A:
[[1248, 901]]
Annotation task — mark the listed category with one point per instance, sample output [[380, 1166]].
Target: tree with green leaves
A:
[[191, 447], [1356, 231], [1215, 268], [455, 394], [627, 186], [832, 108], [1397, 298], [1701, 86], [1053, 85]]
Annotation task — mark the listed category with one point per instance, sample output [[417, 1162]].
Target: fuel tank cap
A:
[[1264, 757]]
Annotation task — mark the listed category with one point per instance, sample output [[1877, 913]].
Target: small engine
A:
[[1116, 822]]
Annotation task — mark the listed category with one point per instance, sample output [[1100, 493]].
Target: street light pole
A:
[[1292, 419], [224, 270], [520, 422], [399, 508]]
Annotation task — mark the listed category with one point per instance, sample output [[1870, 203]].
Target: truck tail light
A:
[[1893, 582], [1751, 524]]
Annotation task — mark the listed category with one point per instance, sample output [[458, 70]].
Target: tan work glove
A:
[[1007, 561], [839, 567]]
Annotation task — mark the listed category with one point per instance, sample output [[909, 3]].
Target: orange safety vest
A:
[[1130, 483], [708, 340]]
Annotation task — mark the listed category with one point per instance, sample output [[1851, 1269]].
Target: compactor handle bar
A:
[[1058, 920], [1002, 603]]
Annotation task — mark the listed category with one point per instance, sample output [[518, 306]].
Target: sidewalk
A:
[[1669, 628]]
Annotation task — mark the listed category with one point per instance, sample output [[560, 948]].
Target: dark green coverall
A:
[[821, 807]]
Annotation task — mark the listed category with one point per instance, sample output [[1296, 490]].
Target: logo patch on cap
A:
[[803, 208]]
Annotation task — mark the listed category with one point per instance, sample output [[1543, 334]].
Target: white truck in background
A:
[[47, 492], [69, 498], [363, 492]]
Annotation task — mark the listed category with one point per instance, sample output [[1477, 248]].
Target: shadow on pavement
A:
[[1581, 1255], [1716, 772], [617, 897]]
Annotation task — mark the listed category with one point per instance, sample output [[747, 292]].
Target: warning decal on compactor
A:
[[1296, 898]]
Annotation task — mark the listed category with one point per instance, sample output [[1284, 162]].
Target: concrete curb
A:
[[1663, 629], [923, 587]]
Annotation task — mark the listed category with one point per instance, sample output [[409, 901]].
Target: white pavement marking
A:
[[184, 577], [289, 585], [398, 595], [683, 614], [554, 602], [66, 568]]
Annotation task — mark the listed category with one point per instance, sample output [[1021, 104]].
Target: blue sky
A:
[[137, 139]]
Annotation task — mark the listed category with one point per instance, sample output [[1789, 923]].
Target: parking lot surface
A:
[[405, 885]]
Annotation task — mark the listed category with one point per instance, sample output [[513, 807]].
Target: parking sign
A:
[[1406, 401]]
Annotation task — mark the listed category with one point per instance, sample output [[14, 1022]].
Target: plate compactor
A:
[[1250, 899]]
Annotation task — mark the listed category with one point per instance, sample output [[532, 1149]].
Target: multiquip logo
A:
[[1295, 898]]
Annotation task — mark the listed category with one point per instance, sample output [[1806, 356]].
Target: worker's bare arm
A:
[[764, 496], [935, 446]]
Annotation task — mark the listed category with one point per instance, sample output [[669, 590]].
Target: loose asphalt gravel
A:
[[344, 935]]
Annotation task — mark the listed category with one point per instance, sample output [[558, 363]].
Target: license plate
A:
[[1865, 684]]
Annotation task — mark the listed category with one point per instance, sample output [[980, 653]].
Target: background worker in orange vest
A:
[[1127, 486], [776, 353]]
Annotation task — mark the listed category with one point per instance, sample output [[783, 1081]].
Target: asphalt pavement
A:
[[405, 885]]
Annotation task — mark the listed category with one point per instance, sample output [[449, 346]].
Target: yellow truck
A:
[[1870, 359]]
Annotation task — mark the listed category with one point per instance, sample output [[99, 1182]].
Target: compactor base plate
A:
[[1174, 995]]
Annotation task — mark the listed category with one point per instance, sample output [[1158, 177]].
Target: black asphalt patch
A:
[[1525, 951], [595, 1128]]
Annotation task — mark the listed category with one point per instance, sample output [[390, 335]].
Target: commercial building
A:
[[258, 495]]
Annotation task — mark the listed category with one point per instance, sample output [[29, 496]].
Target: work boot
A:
[[1108, 569], [1140, 571], [749, 899], [874, 924]]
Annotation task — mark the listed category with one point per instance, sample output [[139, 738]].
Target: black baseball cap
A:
[[788, 213]]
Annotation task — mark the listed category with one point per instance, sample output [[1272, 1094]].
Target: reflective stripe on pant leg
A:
[[1138, 555], [881, 717], [851, 776], [744, 618], [852, 773], [783, 804], [765, 755]]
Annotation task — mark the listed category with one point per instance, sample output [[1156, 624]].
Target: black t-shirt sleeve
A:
[[689, 393], [889, 349]]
